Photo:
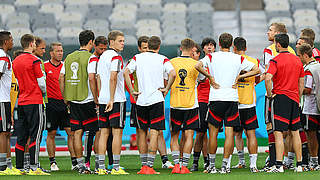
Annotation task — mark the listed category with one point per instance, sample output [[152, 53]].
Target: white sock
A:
[[290, 157], [285, 159], [253, 160], [229, 162]]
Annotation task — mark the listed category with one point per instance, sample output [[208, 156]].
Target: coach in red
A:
[[32, 87], [287, 75]]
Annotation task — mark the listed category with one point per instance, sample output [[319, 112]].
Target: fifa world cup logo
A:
[[182, 74], [74, 68]]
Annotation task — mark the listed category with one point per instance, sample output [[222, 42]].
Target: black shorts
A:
[[57, 115], [285, 113], [267, 110], [113, 119], [223, 112], [133, 116], [184, 119], [248, 119], [5, 116], [83, 116], [151, 117], [310, 122], [203, 112]]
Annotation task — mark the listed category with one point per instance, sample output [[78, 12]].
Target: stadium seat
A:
[[51, 1], [285, 20], [148, 31], [147, 22], [17, 33], [173, 39], [75, 2], [151, 5], [17, 23], [69, 40], [200, 7], [130, 40], [80, 8], [51, 8], [90, 24], [174, 7], [48, 34], [69, 32], [7, 2]]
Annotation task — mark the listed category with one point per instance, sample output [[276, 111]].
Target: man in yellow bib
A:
[[247, 106], [184, 115]]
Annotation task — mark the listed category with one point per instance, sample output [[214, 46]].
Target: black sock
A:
[[74, 161], [196, 157], [299, 163], [109, 149], [206, 159], [52, 160], [278, 164], [164, 159], [89, 145], [318, 137], [272, 148], [305, 154]]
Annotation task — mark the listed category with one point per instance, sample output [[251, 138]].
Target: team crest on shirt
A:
[[74, 68], [182, 74]]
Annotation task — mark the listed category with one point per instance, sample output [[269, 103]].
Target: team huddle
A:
[[86, 94]]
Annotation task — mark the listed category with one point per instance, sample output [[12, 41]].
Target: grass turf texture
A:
[[132, 165]]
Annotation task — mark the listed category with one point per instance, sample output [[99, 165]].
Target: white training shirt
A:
[[225, 67], [110, 61], [151, 68], [6, 78], [91, 68], [310, 102]]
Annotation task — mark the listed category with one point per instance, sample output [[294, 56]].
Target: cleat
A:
[[316, 168], [254, 170], [306, 168], [298, 169], [143, 170], [176, 169], [120, 171], [11, 172], [288, 166], [274, 169], [84, 170], [101, 172], [194, 167], [87, 164], [223, 170], [184, 170], [75, 168], [37, 172], [228, 170], [167, 165], [16, 171], [205, 165], [239, 166], [212, 170], [54, 167]]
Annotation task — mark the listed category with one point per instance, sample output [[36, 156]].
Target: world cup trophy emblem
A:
[[182, 74]]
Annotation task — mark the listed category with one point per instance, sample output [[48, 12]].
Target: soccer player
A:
[[184, 105], [112, 99], [40, 47], [303, 40], [224, 68], [100, 45], [308, 32], [310, 114], [6, 44], [78, 87], [150, 98], [56, 110], [247, 107], [286, 73], [32, 87], [143, 47], [269, 53], [201, 142]]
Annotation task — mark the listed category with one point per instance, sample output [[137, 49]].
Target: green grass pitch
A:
[[132, 165]]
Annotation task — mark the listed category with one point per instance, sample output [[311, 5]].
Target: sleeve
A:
[[167, 67], [205, 61], [132, 65], [308, 80], [37, 68], [63, 69], [92, 66], [302, 73], [272, 67], [116, 63], [3, 65], [267, 56], [201, 77], [246, 65]]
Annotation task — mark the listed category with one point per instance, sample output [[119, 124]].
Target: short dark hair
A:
[[225, 40], [100, 40], [240, 43], [114, 34], [154, 42], [282, 39], [4, 36], [39, 40], [85, 36], [187, 44], [17, 52], [308, 32], [142, 39], [198, 48], [305, 49], [54, 44], [26, 40], [207, 41], [307, 40]]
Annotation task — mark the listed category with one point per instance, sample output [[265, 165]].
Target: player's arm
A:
[[199, 67], [268, 82], [93, 86], [41, 79], [131, 67], [62, 82], [301, 87], [254, 71], [112, 88], [3, 65], [98, 83], [170, 74]]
